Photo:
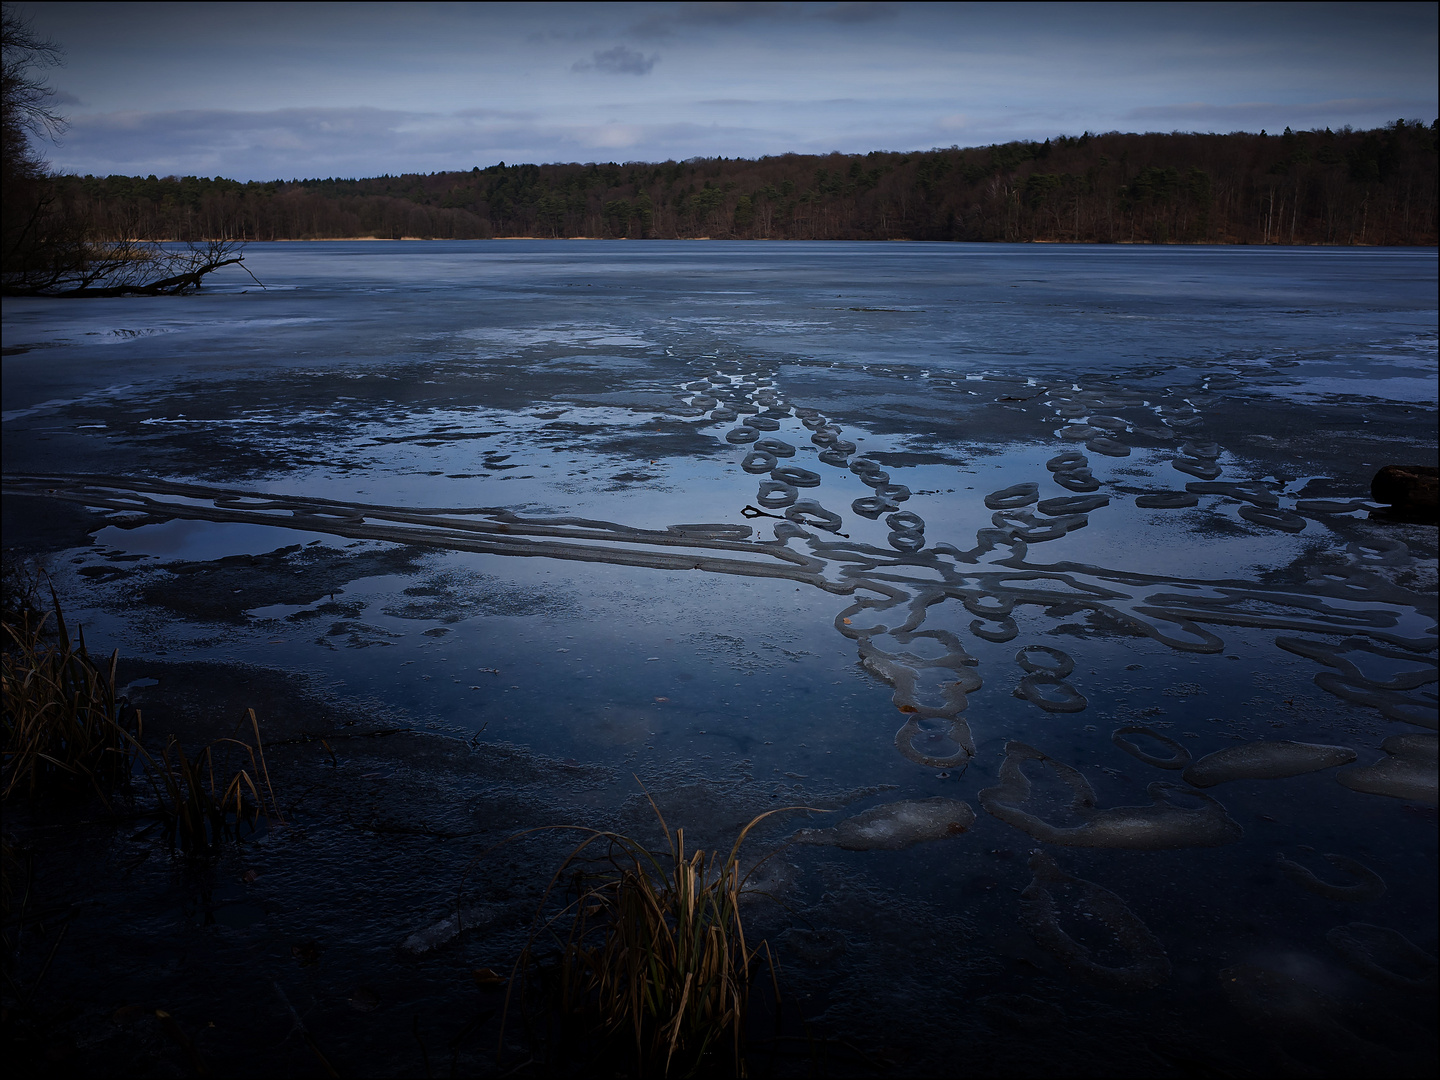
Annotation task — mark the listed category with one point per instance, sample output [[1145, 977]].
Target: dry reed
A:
[[63, 725], [199, 812], [66, 728], [653, 949]]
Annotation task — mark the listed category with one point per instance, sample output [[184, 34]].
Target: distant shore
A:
[[779, 240], [1298, 188]]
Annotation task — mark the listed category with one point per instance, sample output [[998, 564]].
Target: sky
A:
[[262, 91]]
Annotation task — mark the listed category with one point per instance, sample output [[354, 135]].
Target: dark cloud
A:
[[496, 114], [618, 61], [782, 103], [663, 24], [545, 37], [857, 12], [64, 97]]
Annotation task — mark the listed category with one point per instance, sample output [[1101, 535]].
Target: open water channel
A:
[[1051, 570]]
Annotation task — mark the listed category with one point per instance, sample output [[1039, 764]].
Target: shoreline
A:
[[775, 240]]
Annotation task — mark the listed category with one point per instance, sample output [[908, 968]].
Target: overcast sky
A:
[[264, 91]]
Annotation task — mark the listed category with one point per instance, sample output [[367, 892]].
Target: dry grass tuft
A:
[[198, 812], [62, 723], [652, 949], [65, 729]]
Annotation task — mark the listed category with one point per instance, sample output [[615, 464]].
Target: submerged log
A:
[[1409, 490]]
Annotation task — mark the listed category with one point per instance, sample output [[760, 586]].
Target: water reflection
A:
[[1382, 660]]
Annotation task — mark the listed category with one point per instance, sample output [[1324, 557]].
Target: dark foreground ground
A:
[[389, 821]]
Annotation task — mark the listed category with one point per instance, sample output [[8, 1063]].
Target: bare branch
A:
[[25, 99]]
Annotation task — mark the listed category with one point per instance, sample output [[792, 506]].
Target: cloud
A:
[[265, 145], [618, 61], [64, 97], [1202, 115], [610, 136], [359, 142]]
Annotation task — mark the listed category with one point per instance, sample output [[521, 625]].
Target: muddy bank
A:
[[379, 822], [366, 913]]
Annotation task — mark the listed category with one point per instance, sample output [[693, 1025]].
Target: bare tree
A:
[[25, 100], [85, 267], [52, 245], [25, 111]]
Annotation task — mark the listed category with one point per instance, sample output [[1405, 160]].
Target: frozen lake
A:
[[1032, 528]]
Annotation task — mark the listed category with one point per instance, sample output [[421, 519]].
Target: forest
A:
[[1306, 187]]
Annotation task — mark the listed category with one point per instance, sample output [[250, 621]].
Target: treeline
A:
[[1308, 187]]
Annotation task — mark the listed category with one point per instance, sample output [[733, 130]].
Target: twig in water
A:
[[183, 1041], [252, 276], [299, 1025], [456, 1042], [425, 1054]]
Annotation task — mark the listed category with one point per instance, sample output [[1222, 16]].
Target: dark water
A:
[[560, 410]]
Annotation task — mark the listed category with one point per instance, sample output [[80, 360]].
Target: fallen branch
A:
[[85, 268]]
